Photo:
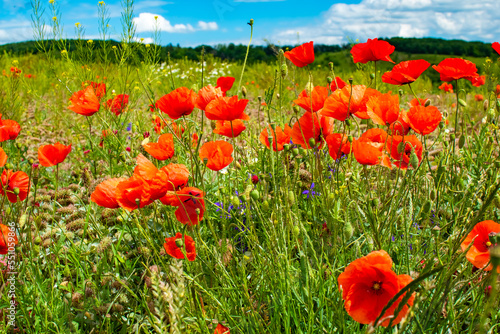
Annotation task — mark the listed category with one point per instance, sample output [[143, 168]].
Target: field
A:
[[164, 209]]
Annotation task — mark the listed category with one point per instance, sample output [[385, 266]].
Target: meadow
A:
[[142, 196]]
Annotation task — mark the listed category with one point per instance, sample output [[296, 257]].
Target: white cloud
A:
[[147, 22], [258, 0], [15, 30], [464, 19]]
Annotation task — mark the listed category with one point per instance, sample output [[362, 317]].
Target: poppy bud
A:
[[250, 23], [433, 195], [265, 206], [295, 151], [284, 70], [296, 109], [244, 91], [401, 147], [235, 201], [348, 231], [350, 81], [348, 122], [179, 243], [452, 137], [66, 271], [331, 66], [350, 138], [291, 198], [329, 80], [462, 103], [427, 103], [302, 151], [205, 161], [491, 113], [485, 105], [441, 125], [312, 142], [461, 141], [372, 76], [255, 195], [16, 191], [286, 147], [414, 159]]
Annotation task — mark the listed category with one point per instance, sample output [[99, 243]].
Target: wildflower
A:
[[411, 144], [478, 97], [405, 72], [383, 109], [3, 157], [367, 285], [190, 205], [9, 129], [177, 175], [157, 180], [369, 148], [255, 179], [340, 104], [206, 95], [117, 104], [446, 87], [311, 127], [220, 329], [423, 120], [456, 68], [279, 138], [314, 100], [227, 109], [51, 155], [225, 84], [372, 50], [337, 83], [496, 47], [105, 193], [163, 149], [15, 184], [311, 192], [85, 102], [177, 103], [173, 249], [231, 129], [218, 154], [479, 253], [133, 193], [99, 88], [7, 237], [478, 81], [338, 145], [302, 55]]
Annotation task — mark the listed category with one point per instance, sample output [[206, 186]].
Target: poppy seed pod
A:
[[179, 243], [296, 109], [312, 142], [329, 80], [350, 81], [348, 122]]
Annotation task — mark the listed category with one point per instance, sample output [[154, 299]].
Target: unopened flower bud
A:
[[401, 147], [329, 80], [348, 122], [16, 191], [296, 109], [350, 81], [312, 142], [372, 76], [255, 195], [461, 141], [452, 137], [427, 103], [179, 243], [414, 160], [462, 103], [244, 91]]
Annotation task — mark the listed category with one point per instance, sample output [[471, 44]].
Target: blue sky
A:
[[195, 22]]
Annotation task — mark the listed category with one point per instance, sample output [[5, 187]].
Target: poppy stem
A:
[[91, 145], [415, 95], [246, 55]]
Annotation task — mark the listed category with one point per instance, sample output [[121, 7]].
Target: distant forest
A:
[[235, 53]]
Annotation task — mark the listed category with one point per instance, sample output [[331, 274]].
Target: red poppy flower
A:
[[383, 109], [15, 184], [117, 104], [194, 140], [417, 102], [314, 102], [310, 125], [177, 175], [301, 55], [227, 109], [369, 148], [187, 243], [340, 104], [163, 149], [402, 160], [218, 154], [496, 47], [99, 88], [405, 72], [477, 81], [456, 68], [224, 128], [368, 284], [169, 198], [3, 157], [479, 254], [372, 50], [497, 89], [157, 180], [446, 87], [206, 95], [221, 329], [191, 205], [338, 145], [279, 138], [225, 84], [51, 155], [400, 127], [105, 193], [478, 97], [9, 129], [423, 120], [7, 237], [177, 103], [85, 102], [133, 193], [338, 83]]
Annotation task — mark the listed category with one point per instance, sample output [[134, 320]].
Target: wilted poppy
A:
[[99, 88], [446, 87], [15, 184], [133, 193], [383, 109], [206, 95], [312, 102], [456, 68], [337, 83], [117, 104], [311, 126], [191, 205], [478, 81], [179, 102], [218, 154], [369, 149], [186, 243], [7, 238], [85, 102], [372, 50], [3, 157], [177, 175], [479, 253], [227, 109], [279, 138], [163, 149], [412, 144], [105, 193], [51, 155], [496, 47], [340, 104], [423, 120], [338, 145], [368, 284], [301, 55], [9, 129], [220, 329], [226, 129], [225, 84], [405, 72]]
